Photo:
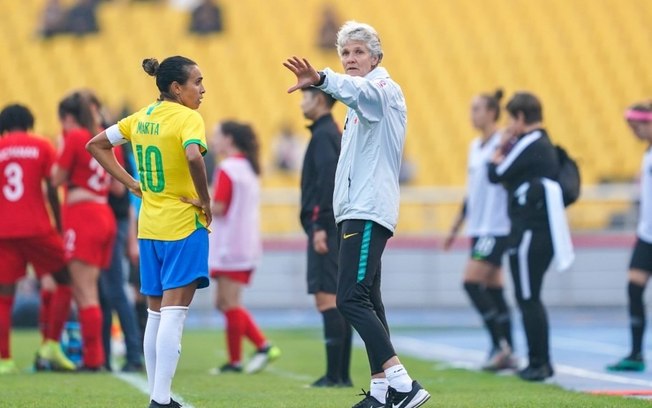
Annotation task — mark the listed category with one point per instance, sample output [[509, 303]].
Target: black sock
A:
[[345, 373], [485, 306], [504, 318], [636, 317], [334, 330], [141, 317]]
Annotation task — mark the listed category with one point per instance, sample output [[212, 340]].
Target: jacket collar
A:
[[322, 119], [377, 73]]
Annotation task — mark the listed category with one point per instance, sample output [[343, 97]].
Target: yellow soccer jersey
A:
[[159, 135]]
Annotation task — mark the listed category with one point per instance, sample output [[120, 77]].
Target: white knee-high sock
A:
[[149, 346], [168, 349]]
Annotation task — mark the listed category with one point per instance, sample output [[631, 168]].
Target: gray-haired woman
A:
[[366, 199]]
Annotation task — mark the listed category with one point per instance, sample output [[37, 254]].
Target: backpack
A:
[[569, 177]]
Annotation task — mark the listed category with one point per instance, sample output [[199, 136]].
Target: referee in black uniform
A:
[[523, 161], [318, 221]]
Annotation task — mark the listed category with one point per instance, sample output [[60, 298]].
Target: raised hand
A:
[[305, 73]]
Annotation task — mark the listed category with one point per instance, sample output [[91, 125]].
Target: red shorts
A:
[[89, 230], [45, 253], [238, 276]]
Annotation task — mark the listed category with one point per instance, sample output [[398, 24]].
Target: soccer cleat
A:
[[7, 366], [132, 367], [368, 401], [261, 358], [91, 370], [325, 382], [51, 357], [501, 359], [630, 363], [416, 397], [226, 368], [171, 404], [536, 372]]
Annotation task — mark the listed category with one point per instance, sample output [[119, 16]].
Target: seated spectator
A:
[[206, 18], [328, 28], [288, 150], [53, 19], [81, 18]]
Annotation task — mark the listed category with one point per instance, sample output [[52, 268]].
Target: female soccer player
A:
[[485, 210], [27, 235], [526, 164], [169, 140], [639, 118], [88, 245], [235, 245]]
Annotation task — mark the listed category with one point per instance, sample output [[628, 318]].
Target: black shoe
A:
[[86, 369], [132, 367], [536, 372], [325, 382], [171, 404], [345, 383], [226, 369], [416, 397], [368, 401]]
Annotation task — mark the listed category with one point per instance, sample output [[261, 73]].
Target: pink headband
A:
[[638, 115]]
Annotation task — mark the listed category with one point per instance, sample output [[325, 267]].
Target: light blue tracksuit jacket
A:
[[366, 180]]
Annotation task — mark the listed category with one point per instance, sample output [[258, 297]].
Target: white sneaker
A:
[[414, 398], [501, 359], [261, 358]]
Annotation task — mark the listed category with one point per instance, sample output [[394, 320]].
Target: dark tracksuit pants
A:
[[530, 255], [361, 245]]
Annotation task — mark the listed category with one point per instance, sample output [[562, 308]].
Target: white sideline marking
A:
[[140, 383], [569, 343], [463, 358], [289, 374]]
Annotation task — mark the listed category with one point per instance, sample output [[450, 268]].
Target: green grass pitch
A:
[[283, 385]]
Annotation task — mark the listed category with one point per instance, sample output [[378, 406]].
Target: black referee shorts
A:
[[322, 269], [642, 256], [489, 249]]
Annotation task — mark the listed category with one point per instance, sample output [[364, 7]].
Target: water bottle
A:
[[71, 342]]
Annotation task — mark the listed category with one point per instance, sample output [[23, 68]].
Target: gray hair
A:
[[354, 31]]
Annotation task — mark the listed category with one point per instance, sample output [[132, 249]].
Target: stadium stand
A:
[[584, 58]]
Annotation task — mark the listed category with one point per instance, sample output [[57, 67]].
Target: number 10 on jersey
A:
[[150, 168]]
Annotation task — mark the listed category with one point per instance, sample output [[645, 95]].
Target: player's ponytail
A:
[[493, 102], [172, 69], [78, 106], [244, 138]]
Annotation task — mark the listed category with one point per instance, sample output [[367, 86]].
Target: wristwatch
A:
[[322, 78]]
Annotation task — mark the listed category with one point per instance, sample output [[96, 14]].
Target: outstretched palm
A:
[[306, 74]]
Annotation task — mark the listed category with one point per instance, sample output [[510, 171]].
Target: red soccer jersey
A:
[[25, 161], [83, 170]]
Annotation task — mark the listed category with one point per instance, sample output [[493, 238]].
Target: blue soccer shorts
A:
[[168, 265]]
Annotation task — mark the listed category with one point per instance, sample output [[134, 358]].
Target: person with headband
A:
[[639, 119], [366, 199], [487, 224], [169, 139]]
